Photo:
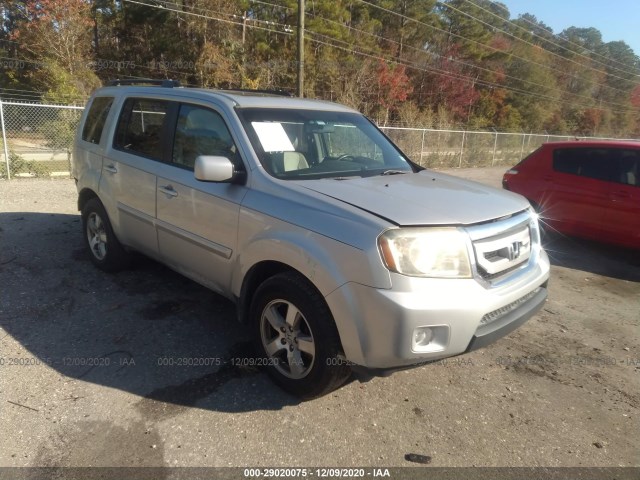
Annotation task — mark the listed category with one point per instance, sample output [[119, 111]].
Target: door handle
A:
[[111, 168], [168, 190]]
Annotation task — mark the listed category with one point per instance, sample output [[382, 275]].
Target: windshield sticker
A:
[[273, 137]]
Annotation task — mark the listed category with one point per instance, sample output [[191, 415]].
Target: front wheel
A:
[[297, 337]]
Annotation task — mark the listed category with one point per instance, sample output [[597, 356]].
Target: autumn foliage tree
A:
[[57, 38], [392, 89]]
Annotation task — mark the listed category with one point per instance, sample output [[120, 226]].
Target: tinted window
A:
[[628, 171], [201, 131], [93, 125], [141, 126], [598, 163]]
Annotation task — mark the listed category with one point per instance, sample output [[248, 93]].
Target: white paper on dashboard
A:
[[273, 137]]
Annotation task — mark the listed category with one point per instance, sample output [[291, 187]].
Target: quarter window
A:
[[96, 118], [628, 171], [141, 127]]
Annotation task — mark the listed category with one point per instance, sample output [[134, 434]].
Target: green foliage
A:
[[19, 166], [59, 132]]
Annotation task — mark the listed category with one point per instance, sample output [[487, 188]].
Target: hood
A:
[[424, 198]]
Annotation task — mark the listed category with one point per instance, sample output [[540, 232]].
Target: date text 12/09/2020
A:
[[315, 472]]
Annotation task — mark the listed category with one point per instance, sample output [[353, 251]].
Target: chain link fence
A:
[[463, 149], [37, 141]]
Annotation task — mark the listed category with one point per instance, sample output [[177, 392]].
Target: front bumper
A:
[[511, 320], [376, 326]]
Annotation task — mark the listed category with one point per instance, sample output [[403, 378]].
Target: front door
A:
[[197, 222]]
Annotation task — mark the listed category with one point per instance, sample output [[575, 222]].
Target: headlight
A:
[[534, 226], [426, 252]]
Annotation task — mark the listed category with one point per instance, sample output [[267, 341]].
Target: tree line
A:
[[402, 62]]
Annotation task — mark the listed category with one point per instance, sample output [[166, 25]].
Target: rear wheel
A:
[[297, 337], [104, 248]]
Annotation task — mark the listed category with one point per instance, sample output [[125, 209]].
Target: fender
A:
[[326, 263]]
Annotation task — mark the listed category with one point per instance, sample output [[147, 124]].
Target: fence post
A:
[[422, 148], [462, 148], [495, 145], [524, 137], [4, 141]]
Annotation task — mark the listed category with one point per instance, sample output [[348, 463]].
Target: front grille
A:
[[492, 276], [500, 252], [502, 311]]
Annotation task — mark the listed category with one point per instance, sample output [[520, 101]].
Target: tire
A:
[[304, 358], [105, 251]]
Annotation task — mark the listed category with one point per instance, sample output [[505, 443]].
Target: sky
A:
[[616, 19]]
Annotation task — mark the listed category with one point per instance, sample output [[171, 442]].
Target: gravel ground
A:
[[83, 382]]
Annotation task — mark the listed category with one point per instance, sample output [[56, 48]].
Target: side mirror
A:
[[209, 168]]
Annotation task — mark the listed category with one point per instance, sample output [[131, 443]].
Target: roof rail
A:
[[279, 92], [144, 81]]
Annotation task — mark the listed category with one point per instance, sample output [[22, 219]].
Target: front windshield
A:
[[311, 144]]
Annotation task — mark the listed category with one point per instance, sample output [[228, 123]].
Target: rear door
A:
[[578, 200], [198, 221], [128, 182], [87, 155], [622, 223]]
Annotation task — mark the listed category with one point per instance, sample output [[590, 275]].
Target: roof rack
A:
[[144, 81]]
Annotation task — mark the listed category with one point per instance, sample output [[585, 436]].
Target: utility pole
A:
[[244, 27], [301, 48]]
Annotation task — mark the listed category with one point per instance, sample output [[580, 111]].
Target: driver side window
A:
[[200, 131]]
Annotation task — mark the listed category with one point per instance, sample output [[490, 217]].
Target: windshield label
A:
[[273, 137]]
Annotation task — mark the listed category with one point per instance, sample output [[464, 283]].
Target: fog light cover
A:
[[433, 338], [421, 337]]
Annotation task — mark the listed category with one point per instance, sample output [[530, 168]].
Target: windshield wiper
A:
[[394, 172]]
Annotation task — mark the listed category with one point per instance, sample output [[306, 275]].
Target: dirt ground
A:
[[86, 380]]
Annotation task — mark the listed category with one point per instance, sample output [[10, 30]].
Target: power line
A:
[[590, 59], [445, 73], [422, 51], [493, 27], [489, 47], [207, 17], [502, 7], [287, 28]]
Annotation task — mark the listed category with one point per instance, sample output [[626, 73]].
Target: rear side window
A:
[[96, 118], [597, 163], [141, 127]]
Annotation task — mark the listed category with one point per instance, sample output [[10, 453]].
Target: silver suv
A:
[[339, 252]]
